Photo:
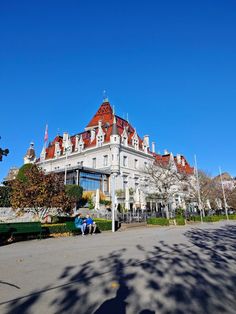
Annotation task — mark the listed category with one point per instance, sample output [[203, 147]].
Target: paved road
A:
[[144, 270]]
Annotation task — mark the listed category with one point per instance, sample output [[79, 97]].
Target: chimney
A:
[[178, 157], [183, 162], [65, 137], [146, 140], [166, 152], [153, 147]]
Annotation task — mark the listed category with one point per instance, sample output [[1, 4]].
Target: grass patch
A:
[[180, 221], [158, 221]]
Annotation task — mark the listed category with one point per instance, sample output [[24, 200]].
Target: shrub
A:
[[214, 218], [21, 176], [54, 228], [74, 193], [103, 224], [105, 202], [90, 204], [180, 221], [158, 221], [195, 218], [180, 212], [5, 196], [232, 217]]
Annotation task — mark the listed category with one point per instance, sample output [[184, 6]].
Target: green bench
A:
[[20, 229]]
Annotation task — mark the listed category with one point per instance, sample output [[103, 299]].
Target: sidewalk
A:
[[160, 269]]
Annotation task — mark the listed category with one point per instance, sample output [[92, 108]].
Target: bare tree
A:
[[210, 191], [166, 181], [231, 198]]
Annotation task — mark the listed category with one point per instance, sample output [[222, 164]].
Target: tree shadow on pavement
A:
[[197, 277]]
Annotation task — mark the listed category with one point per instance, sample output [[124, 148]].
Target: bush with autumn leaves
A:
[[35, 190]]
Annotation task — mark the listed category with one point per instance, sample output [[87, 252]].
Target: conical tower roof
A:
[[114, 127]]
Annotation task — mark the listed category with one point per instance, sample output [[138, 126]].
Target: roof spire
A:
[[114, 127], [105, 97]]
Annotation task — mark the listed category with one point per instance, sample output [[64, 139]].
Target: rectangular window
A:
[[94, 163], [135, 163], [105, 160], [125, 182], [125, 161]]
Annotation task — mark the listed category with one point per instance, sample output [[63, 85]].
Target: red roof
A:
[[183, 168], [105, 115]]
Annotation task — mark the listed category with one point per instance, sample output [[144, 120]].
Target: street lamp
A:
[[77, 177], [198, 190], [223, 190], [66, 151], [113, 200]]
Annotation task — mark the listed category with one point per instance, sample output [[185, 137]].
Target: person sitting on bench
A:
[[80, 223], [91, 225]]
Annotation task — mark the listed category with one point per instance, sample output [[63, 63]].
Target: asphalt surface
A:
[[188, 269]]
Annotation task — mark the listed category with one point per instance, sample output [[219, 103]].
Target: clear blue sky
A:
[[170, 64]]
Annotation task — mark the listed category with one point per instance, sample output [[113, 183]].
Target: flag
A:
[[46, 134]]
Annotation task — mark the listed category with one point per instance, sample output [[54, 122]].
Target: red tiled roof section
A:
[[104, 113], [164, 159], [50, 150]]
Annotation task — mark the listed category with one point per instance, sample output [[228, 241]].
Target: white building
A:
[[108, 145]]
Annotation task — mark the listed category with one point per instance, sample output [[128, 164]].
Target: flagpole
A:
[[223, 190], [45, 142], [198, 189]]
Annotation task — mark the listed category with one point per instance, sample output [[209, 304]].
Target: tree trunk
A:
[[167, 212]]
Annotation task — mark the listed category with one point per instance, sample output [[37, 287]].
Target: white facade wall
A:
[[132, 172]]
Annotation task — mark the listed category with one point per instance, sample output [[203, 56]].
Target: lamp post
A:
[[223, 190], [113, 185], [77, 177], [66, 151], [198, 190]]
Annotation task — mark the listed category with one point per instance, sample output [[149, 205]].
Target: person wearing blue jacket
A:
[[91, 225], [80, 223]]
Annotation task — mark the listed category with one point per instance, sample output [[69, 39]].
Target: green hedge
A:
[[180, 221], [48, 229], [214, 218], [54, 228], [195, 218], [158, 221], [103, 224]]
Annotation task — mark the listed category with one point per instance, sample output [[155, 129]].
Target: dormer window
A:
[[100, 134], [135, 141], [124, 140], [124, 137], [100, 140], [135, 144], [57, 152], [81, 147]]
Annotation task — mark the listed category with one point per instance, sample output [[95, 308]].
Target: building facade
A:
[[108, 145]]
